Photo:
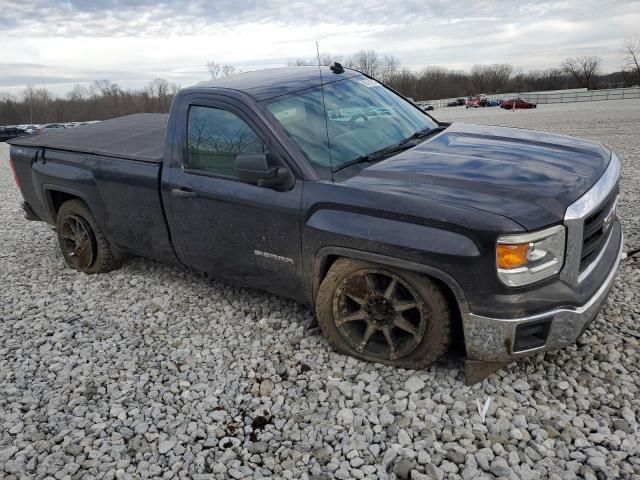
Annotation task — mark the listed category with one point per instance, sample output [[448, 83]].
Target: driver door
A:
[[220, 225]]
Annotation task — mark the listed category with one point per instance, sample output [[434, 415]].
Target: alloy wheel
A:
[[78, 242], [379, 314]]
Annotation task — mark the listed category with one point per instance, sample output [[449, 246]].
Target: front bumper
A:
[[499, 340]]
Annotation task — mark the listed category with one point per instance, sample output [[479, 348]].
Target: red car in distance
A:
[[475, 102], [516, 103]]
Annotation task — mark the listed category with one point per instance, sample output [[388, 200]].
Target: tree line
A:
[[105, 99], [101, 100], [437, 82]]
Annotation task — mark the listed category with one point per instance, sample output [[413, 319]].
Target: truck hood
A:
[[528, 176]]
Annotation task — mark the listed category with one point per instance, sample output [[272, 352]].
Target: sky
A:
[[59, 43]]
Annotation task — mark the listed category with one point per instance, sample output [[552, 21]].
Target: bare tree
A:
[[37, 101], [583, 69], [366, 61], [217, 70], [214, 69], [107, 88], [300, 62], [632, 57], [159, 88], [77, 93], [228, 70], [390, 65], [28, 95], [326, 58], [500, 74], [374, 65], [490, 78]]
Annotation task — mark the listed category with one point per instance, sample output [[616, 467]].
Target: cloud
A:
[[147, 17], [132, 42]]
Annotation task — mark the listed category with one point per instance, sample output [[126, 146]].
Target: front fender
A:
[[421, 248], [400, 234]]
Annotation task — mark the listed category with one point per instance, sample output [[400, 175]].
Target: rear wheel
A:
[[83, 245], [383, 315]]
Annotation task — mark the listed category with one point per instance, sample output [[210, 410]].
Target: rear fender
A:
[[48, 192]]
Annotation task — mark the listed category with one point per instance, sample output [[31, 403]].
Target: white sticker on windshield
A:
[[285, 114], [368, 82]]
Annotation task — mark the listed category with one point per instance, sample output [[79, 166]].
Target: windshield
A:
[[359, 116]]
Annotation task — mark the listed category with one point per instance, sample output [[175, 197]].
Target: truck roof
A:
[[135, 137], [141, 136], [273, 82]]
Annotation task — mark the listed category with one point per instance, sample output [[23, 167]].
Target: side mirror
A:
[[254, 168]]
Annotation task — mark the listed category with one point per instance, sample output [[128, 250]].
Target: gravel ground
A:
[[154, 370]]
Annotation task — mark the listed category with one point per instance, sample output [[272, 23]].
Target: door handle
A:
[[184, 193]]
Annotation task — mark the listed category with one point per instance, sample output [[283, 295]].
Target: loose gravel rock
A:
[[154, 370]]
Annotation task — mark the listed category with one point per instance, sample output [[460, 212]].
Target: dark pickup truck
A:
[[328, 187]]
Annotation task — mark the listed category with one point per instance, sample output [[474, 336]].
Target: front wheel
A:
[[383, 315], [83, 245]]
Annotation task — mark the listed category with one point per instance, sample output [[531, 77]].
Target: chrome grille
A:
[[586, 235], [595, 231]]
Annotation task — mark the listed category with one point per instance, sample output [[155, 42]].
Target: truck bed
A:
[[134, 137]]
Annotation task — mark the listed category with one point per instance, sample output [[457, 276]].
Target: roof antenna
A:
[[324, 107], [318, 54]]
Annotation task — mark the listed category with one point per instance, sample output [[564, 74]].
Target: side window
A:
[[215, 138]]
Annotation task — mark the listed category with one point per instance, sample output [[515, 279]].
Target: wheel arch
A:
[[454, 294], [54, 196]]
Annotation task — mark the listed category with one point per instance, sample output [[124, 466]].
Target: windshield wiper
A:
[[377, 155], [420, 134], [405, 144]]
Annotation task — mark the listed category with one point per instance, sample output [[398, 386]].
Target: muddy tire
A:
[[83, 245], [383, 315]]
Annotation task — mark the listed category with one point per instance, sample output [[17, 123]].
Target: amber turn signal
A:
[[512, 256]]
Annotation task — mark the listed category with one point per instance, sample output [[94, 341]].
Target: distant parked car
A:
[[8, 132], [492, 103], [50, 126], [458, 102], [30, 129], [516, 103], [428, 106]]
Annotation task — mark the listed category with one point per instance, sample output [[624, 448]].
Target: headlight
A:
[[526, 258]]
